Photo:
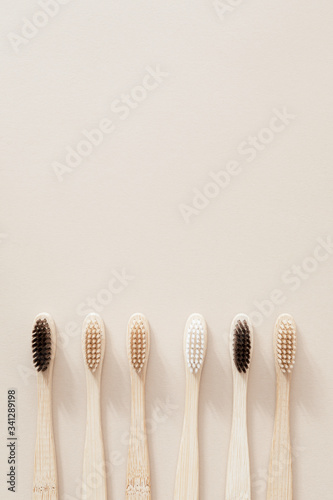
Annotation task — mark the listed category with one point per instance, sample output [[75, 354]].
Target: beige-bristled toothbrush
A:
[[44, 341], [195, 346], [238, 485], [138, 469], [93, 348], [280, 472]]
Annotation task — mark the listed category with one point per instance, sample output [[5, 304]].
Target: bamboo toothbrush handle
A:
[[187, 475], [94, 474], [280, 473], [45, 486], [138, 468], [238, 485]]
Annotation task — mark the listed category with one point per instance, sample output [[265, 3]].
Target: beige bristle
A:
[[286, 344], [138, 343], [93, 341]]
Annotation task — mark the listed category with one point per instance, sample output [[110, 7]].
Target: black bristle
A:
[[41, 345], [242, 346]]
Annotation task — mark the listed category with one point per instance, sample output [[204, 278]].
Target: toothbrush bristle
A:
[[93, 344], [195, 345], [286, 344], [138, 343], [41, 344], [242, 346]]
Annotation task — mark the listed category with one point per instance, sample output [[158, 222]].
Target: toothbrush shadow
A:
[[157, 402], [260, 400], [306, 399], [216, 395], [113, 403], [65, 401]]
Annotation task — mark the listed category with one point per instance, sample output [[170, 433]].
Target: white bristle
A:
[[195, 345], [286, 343]]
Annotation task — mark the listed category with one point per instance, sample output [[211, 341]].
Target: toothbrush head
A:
[[93, 341], [285, 342], [138, 342], [195, 343], [242, 340], [41, 342]]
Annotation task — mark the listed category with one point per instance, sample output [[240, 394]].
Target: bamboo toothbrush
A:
[[45, 485], [138, 469], [195, 346], [280, 474], [93, 347], [238, 486]]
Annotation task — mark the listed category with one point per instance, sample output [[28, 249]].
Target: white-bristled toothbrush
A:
[[195, 346]]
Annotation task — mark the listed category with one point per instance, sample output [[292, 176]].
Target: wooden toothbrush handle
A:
[[187, 475], [45, 484], [138, 468], [238, 484], [94, 473], [280, 473]]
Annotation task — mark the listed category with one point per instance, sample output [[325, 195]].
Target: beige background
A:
[[61, 242]]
